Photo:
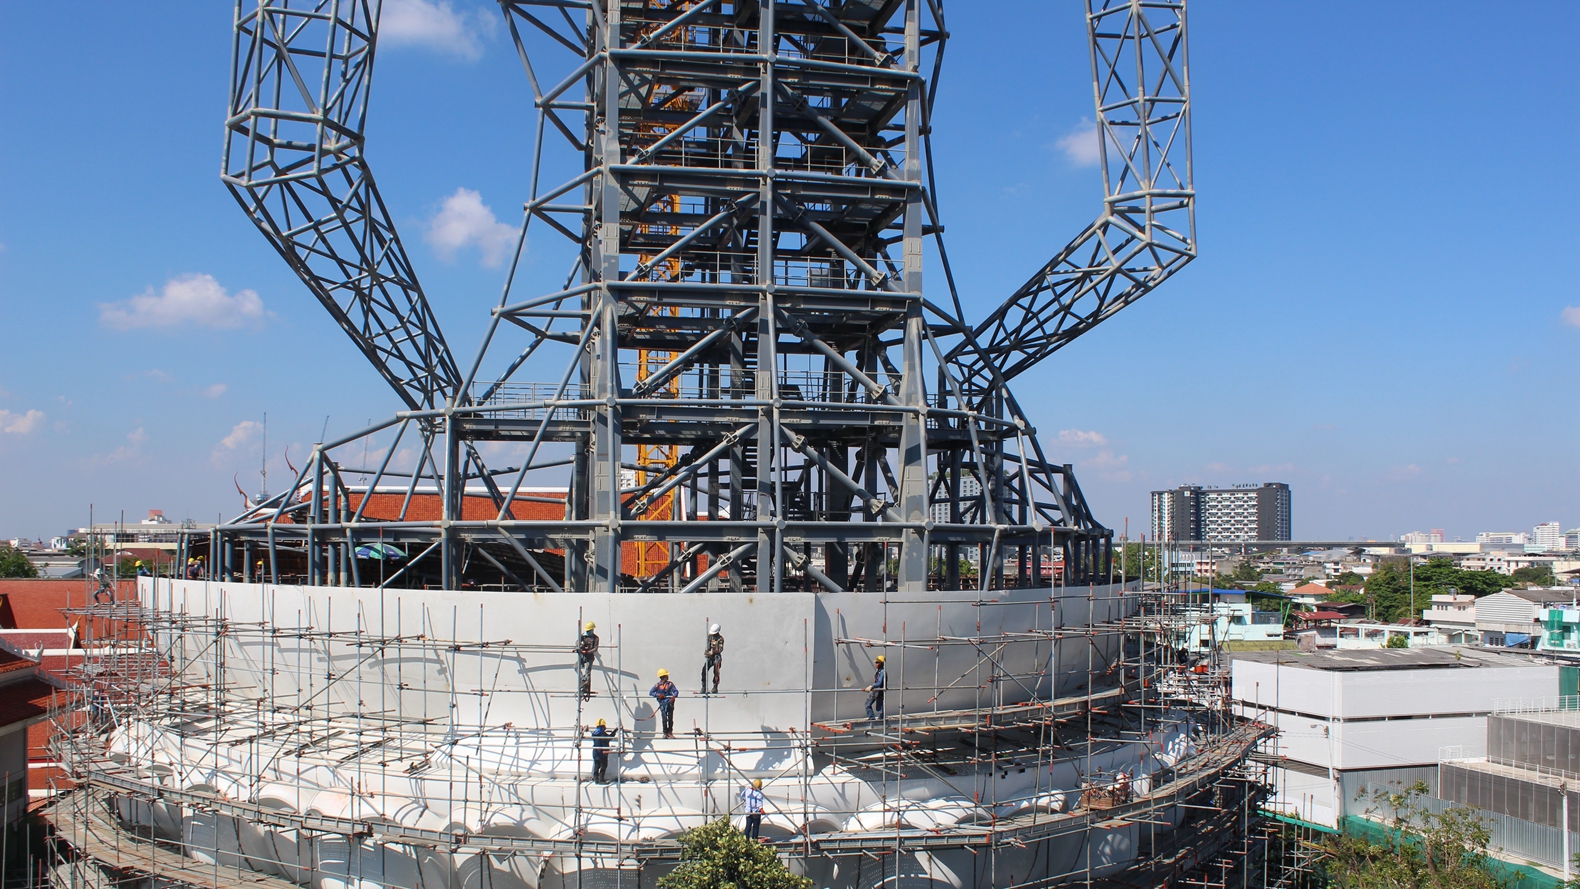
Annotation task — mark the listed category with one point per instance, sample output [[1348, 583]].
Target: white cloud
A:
[[187, 299], [1110, 466], [215, 390], [1080, 438], [1082, 146], [1571, 316], [19, 424], [126, 452], [433, 24], [464, 220], [242, 433], [1404, 473]]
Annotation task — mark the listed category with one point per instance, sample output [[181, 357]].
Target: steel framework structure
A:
[[740, 356]]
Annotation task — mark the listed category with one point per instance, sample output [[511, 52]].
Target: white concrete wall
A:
[[1284, 687]]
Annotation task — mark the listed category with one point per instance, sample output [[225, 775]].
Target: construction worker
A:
[[665, 692], [712, 656], [601, 735], [192, 569], [142, 570], [586, 651], [752, 800], [257, 574], [875, 690]]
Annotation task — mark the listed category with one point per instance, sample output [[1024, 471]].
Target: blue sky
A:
[[1386, 224]]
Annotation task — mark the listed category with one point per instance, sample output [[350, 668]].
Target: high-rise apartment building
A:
[[1548, 534], [1243, 512]]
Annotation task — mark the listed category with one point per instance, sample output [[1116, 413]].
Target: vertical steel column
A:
[[767, 388], [452, 489], [912, 573], [604, 474]]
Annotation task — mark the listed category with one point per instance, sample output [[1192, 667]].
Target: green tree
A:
[[1398, 640], [1348, 578], [1245, 572], [1135, 562], [1389, 586], [717, 856], [14, 564], [1534, 575], [1447, 851]]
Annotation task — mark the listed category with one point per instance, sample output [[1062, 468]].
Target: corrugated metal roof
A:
[[1350, 660]]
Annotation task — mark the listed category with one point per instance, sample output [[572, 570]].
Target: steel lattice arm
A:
[[1147, 231], [293, 159]]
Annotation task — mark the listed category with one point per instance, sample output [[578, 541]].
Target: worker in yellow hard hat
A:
[[586, 651], [601, 735], [752, 801], [875, 690], [665, 692], [142, 570]]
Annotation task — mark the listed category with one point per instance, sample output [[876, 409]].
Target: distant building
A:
[[1549, 535], [1176, 514], [1228, 515], [1518, 538], [1513, 617], [1433, 536], [1454, 616], [1572, 538], [970, 489], [1349, 719]]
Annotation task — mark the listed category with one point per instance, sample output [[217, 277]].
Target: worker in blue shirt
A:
[[875, 691], [601, 736], [665, 692], [752, 800]]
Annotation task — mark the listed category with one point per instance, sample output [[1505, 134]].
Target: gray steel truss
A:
[[742, 383]]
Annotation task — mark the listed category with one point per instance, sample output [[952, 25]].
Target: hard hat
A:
[[663, 674], [590, 626], [190, 561], [139, 563], [880, 659], [757, 783], [601, 723], [714, 629]]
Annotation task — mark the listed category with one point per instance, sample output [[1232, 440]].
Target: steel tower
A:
[[743, 381]]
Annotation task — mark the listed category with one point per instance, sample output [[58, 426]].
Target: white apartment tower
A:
[[1548, 534], [1230, 515]]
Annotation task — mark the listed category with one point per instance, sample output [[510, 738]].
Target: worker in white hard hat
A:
[[712, 656], [875, 690], [586, 651], [665, 692]]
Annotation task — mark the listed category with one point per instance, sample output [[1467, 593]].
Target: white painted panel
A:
[[1444, 691], [1402, 742], [1283, 687]]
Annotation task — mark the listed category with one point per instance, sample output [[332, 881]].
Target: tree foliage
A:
[[1422, 849], [14, 564], [717, 856], [1398, 640], [1389, 586], [1534, 575]]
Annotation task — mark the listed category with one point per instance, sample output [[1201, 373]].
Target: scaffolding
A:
[[199, 747]]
